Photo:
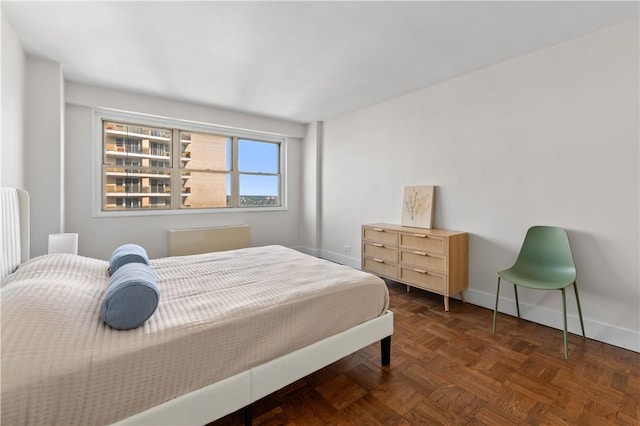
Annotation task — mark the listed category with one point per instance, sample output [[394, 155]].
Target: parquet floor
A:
[[448, 368]]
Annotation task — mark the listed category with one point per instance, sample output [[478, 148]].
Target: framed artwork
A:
[[417, 206]]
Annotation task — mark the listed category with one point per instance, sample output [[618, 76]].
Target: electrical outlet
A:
[[347, 248]]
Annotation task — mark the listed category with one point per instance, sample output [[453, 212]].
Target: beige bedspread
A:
[[219, 314]]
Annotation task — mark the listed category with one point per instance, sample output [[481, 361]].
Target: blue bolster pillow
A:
[[127, 253], [131, 298]]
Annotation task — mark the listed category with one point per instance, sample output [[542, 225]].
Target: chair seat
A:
[[539, 278]]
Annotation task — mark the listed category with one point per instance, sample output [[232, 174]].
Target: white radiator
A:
[[183, 242]]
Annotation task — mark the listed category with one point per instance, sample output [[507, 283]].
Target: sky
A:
[[257, 157]]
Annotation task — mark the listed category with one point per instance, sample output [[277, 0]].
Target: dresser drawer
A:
[[423, 260], [380, 235], [422, 242], [424, 279], [380, 251], [380, 267]]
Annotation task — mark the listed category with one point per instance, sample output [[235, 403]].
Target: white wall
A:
[[310, 190], [98, 236], [44, 145], [13, 105], [547, 138]]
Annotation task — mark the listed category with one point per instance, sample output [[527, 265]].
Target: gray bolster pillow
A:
[[127, 253], [131, 298]]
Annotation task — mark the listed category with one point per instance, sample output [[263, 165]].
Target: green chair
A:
[[545, 262]]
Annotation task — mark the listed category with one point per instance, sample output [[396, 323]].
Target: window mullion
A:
[[235, 175], [281, 172], [176, 172]]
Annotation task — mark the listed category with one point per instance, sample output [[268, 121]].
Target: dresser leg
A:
[[462, 297], [408, 288], [446, 303]]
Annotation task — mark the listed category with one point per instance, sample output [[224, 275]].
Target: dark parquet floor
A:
[[448, 368]]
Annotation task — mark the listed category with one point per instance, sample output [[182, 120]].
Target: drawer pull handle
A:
[[420, 253], [419, 235], [379, 260], [422, 271], [378, 229], [378, 245]]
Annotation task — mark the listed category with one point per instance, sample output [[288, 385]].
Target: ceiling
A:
[[298, 61]]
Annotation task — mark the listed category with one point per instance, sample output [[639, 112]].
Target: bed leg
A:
[[246, 413], [385, 350]]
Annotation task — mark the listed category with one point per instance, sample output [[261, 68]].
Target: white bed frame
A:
[[240, 391]]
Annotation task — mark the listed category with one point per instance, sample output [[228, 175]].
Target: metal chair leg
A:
[[575, 288], [515, 290], [495, 311], [564, 313]]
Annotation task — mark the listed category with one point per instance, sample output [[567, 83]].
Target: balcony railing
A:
[[114, 190]]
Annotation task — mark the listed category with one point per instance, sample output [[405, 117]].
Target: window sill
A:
[[132, 213]]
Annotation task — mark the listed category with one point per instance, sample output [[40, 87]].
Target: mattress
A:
[[219, 314]]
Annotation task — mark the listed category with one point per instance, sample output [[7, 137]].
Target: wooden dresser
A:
[[431, 259]]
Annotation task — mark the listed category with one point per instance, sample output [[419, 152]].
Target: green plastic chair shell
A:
[[545, 262]]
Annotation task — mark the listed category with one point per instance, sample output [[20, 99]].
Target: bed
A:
[[231, 327]]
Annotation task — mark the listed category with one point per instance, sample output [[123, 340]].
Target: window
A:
[[258, 165], [169, 168]]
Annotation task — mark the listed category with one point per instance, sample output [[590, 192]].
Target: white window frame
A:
[[190, 126]]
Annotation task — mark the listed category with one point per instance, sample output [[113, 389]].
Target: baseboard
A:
[[596, 330], [339, 258], [307, 250]]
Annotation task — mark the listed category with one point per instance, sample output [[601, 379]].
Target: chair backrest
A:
[[547, 247]]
